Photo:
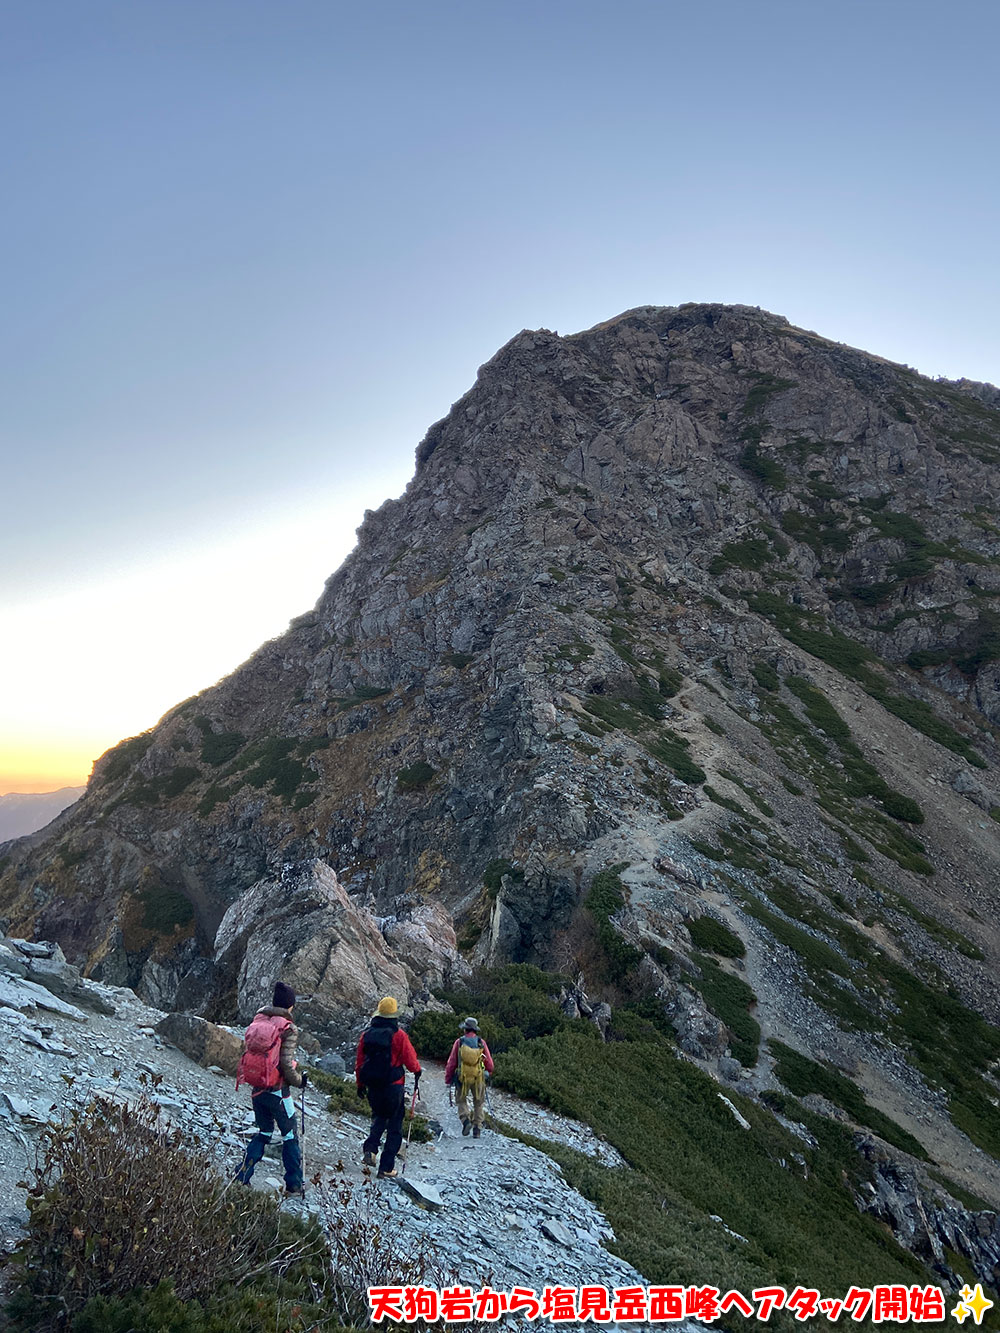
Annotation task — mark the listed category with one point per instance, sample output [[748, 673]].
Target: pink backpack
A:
[[261, 1050]]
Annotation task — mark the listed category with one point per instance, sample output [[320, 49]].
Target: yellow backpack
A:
[[471, 1067]]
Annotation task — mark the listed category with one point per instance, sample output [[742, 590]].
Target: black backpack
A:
[[377, 1069]]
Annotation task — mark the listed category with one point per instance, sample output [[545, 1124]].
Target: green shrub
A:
[[362, 694], [218, 747], [765, 676], [671, 750], [495, 871], [902, 807], [605, 898], [164, 909], [415, 776], [752, 554], [730, 999], [764, 469], [727, 803], [687, 1158], [669, 681], [820, 712], [214, 795], [713, 937]]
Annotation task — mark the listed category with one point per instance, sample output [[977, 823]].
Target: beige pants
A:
[[478, 1094]]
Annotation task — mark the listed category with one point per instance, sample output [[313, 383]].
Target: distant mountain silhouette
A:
[[23, 812]]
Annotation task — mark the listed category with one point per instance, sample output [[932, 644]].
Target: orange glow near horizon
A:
[[41, 767], [97, 661]]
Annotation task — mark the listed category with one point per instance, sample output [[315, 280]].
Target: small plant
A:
[[766, 676], [764, 469]]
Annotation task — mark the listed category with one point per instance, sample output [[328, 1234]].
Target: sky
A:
[[252, 250]]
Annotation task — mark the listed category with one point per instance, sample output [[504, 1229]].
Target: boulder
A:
[[331, 1063], [303, 929], [968, 785], [424, 941], [730, 1069], [203, 1042], [64, 980]]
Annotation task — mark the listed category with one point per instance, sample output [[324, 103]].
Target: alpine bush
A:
[[120, 1205], [712, 936]]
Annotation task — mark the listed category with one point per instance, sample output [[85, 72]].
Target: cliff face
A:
[[695, 591]]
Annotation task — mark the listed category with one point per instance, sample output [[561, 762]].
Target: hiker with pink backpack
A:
[[268, 1065]]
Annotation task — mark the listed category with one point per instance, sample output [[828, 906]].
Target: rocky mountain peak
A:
[[687, 618]]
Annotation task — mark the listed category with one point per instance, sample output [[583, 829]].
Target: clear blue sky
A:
[[252, 249]]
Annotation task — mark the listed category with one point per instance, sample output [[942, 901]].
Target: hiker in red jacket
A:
[[384, 1054], [271, 1077], [468, 1066]]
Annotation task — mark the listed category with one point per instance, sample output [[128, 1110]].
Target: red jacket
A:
[[401, 1052], [452, 1065]]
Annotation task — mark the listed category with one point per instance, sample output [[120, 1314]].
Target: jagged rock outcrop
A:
[[303, 929], [926, 1224]]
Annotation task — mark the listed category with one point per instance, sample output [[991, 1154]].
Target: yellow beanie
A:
[[387, 1008]]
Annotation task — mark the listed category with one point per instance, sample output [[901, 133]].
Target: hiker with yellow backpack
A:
[[468, 1067]]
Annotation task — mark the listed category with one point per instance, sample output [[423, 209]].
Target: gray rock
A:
[[331, 1063], [557, 1232], [303, 929], [424, 1195], [730, 1069], [35, 948], [27, 995], [740, 1119], [968, 785]]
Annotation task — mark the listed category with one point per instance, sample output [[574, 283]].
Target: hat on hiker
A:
[[470, 1024], [387, 1007], [284, 996]]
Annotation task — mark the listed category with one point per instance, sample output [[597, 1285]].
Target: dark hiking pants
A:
[[387, 1106], [270, 1109]]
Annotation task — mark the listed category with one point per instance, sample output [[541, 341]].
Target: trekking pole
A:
[[302, 1134], [409, 1131]]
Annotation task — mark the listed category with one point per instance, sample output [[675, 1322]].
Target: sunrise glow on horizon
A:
[[109, 658]]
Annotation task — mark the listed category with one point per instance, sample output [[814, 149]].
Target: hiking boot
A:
[[387, 1175], [466, 1127], [299, 1193], [370, 1159], [476, 1132]]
